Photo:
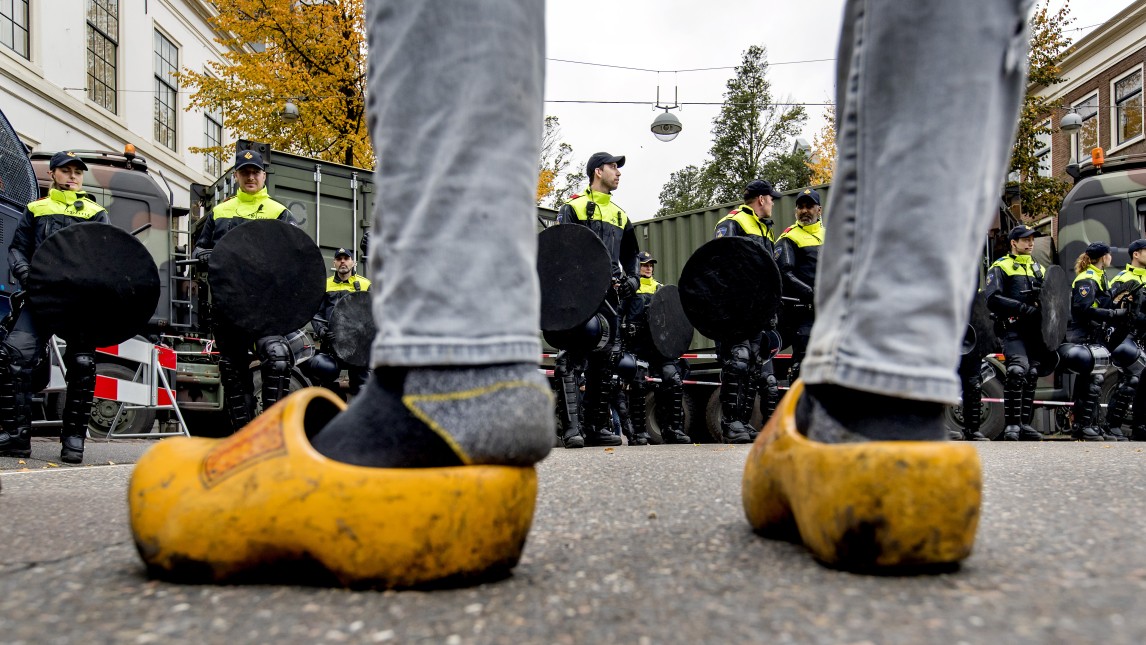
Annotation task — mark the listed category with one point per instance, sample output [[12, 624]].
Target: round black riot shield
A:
[[267, 278], [352, 329], [573, 267], [668, 325], [730, 288], [93, 284], [1054, 307], [985, 340]]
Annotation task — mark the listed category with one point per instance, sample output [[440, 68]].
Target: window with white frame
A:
[[1126, 100], [212, 138], [103, 46], [166, 90], [1043, 151], [1086, 139], [14, 25]]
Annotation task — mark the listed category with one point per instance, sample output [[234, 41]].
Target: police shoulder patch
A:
[[1084, 290], [990, 277], [721, 230]]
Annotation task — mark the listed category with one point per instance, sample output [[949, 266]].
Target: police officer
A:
[[26, 347], [1013, 283], [670, 393], [1126, 291], [345, 281], [1091, 314], [595, 209], [797, 252], [250, 203], [746, 365]]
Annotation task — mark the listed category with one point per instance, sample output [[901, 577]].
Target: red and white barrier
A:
[[150, 387]]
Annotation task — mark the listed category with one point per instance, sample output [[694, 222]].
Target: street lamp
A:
[[1071, 124], [666, 126], [289, 112]]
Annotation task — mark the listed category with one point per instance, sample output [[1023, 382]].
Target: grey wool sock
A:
[[444, 416]]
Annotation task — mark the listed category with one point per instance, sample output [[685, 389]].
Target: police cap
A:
[[342, 251], [65, 158], [646, 258], [808, 195], [600, 159], [1020, 232], [245, 158], [759, 187], [1135, 246], [1096, 250]]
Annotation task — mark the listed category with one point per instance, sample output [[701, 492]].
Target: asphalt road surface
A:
[[632, 545]]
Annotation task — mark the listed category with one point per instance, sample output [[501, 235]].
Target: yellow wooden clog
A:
[[263, 503], [877, 505]]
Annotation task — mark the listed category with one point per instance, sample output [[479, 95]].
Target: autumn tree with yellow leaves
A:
[[311, 52], [822, 161]]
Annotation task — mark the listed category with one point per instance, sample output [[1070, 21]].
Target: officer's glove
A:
[[1028, 310], [21, 273], [627, 288], [1120, 314]]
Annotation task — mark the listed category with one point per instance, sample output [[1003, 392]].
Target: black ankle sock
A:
[[835, 414], [377, 430]]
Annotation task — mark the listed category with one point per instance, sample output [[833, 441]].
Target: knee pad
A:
[[670, 375], [1128, 357], [737, 361], [323, 367], [628, 366], [1075, 358], [81, 363], [274, 352], [1015, 370]]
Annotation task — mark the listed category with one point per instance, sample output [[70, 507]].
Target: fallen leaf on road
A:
[[51, 465], [609, 449], [110, 462]]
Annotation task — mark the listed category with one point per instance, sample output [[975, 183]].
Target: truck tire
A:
[[653, 425], [134, 421], [993, 421], [713, 415]]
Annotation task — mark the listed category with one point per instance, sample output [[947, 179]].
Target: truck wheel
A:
[[713, 415], [993, 422], [135, 421], [654, 425]]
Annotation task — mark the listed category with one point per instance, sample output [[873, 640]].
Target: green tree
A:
[[751, 129], [1041, 196], [751, 139], [686, 190], [311, 52]]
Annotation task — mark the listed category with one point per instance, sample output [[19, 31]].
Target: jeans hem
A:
[[467, 352], [923, 386]]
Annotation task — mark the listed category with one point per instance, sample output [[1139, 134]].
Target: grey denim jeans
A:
[[455, 112], [928, 96]]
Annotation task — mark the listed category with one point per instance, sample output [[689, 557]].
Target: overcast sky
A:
[[687, 34]]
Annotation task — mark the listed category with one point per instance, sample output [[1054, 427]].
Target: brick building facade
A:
[[1105, 74]]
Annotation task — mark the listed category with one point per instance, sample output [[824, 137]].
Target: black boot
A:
[[77, 406], [670, 404], [598, 419], [972, 407], [568, 403], [275, 361], [16, 408], [732, 395], [1027, 432], [638, 414], [235, 377], [1013, 403], [632, 418], [1120, 401], [1086, 393]]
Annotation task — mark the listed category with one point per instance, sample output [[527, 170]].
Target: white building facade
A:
[[98, 74]]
